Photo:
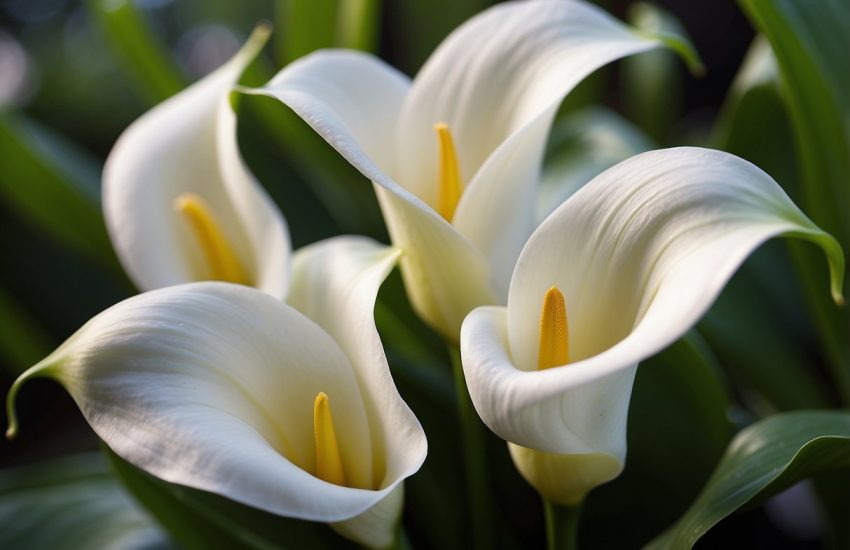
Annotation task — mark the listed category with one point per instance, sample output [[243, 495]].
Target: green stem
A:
[[561, 525], [401, 541], [475, 460], [831, 320]]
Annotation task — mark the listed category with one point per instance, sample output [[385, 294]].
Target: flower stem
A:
[[561, 525], [475, 460], [401, 541]]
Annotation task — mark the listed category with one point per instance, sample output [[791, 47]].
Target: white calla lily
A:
[[223, 388], [180, 204], [637, 255], [455, 155]]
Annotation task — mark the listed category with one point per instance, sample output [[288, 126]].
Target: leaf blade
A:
[[762, 460]]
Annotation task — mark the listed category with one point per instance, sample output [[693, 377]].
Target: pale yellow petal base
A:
[[564, 479]]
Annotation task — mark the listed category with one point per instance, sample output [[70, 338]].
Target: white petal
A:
[[352, 100], [539, 410], [497, 81], [211, 385], [377, 526], [444, 275], [640, 253], [335, 283], [188, 144]]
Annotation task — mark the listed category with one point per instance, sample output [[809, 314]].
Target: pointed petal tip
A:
[[11, 413], [40, 369]]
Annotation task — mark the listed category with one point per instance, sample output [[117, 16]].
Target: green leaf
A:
[[304, 27], [678, 429], [653, 81], [812, 49], [763, 459], [54, 186], [72, 502], [144, 57], [763, 338], [201, 520], [359, 24], [754, 122]]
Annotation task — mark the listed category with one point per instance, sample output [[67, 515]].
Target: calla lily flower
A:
[[220, 387], [618, 272], [179, 202], [455, 155]]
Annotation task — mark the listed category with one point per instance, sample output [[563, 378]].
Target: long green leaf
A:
[[72, 502], [203, 520], [678, 429], [143, 56], [812, 49], [762, 460], [53, 185], [358, 24], [304, 27]]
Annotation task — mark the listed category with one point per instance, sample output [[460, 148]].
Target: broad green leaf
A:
[[53, 185], [678, 429], [199, 520], [358, 24], [763, 339], [772, 359], [812, 49], [763, 459], [143, 56], [72, 502], [303, 27], [754, 122]]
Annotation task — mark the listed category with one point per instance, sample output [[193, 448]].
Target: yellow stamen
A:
[[223, 263], [328, 460], [450, 186], [554, 347]]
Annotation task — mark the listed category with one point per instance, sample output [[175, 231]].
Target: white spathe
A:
[[496, 81], [639, 253], [188, 144], [211, 385]]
